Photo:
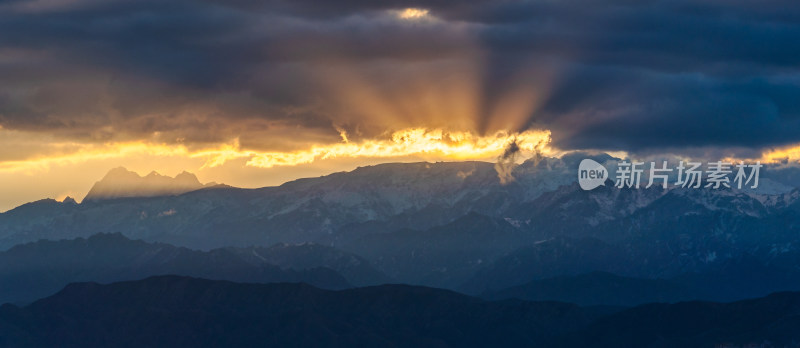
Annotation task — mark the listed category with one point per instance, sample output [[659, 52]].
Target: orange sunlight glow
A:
[[779, 155], [429, 143], [435, 143], [413, 13], [80, 153], [784, 154]]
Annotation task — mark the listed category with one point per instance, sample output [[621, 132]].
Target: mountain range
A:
[[181, 311], [122, 183], [417, 195], [455, 226], [34, 270]]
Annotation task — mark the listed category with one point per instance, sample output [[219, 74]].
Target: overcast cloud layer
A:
[[635, 76]]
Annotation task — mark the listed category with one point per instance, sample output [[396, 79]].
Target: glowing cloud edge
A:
[[433, 143]]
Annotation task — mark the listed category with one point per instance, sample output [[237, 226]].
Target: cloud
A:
[[618, 75], [648, 112], [505, 163], [42, 154]]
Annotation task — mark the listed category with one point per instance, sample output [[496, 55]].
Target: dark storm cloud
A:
[[629, 75], [642, 110]]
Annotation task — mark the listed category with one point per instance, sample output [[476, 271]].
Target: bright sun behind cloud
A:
[[413, 13]]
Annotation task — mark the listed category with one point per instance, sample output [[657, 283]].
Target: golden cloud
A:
[[413, 13], [435, 144], [784, 154]]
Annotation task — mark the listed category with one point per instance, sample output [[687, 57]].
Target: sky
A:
[[256, 93]]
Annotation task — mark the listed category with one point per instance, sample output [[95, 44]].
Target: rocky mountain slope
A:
[[122, 183]]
